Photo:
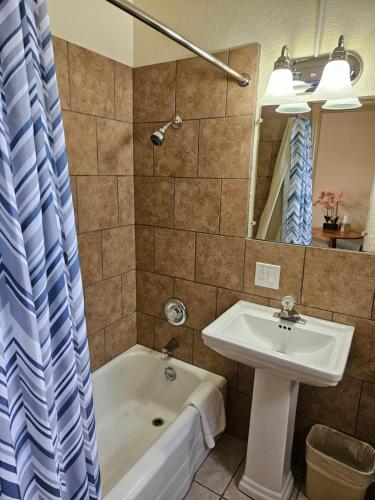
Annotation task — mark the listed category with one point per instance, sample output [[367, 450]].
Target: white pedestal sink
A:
[[283, 354]]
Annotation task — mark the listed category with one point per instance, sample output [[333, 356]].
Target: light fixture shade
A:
[[300, 86], [280, 87], [293, 107], [335, 82], [349, 103]]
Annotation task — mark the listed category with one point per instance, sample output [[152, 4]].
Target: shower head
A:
[[157, 137]]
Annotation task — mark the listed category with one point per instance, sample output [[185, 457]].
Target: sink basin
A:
[[283, 354], [314, 353]]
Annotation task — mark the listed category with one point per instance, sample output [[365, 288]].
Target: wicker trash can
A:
[[339, 467]]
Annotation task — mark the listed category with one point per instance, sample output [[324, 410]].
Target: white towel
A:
[[209, 401]]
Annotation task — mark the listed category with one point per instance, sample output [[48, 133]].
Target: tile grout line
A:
[[206, 487], [220, 204], [237, 290], [303, 276], [358, 409], [195, 256], [69, 76], [189, 118], [198, 147], [114, 88], [234, 475]]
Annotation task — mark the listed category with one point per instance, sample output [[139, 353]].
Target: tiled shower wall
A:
[[191, 210], [97, 101], [191, 197]]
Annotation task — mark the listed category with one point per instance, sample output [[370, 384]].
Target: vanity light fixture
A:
[[326, 77], [280, 88], [335, 86], [299, 85]]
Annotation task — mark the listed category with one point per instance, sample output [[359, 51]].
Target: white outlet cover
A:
[[267, 275]]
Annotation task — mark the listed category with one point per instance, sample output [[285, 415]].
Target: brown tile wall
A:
[[191, 212], [97, 101]]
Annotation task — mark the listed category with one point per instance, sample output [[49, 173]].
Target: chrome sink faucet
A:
[[169, 347], [288, 312]]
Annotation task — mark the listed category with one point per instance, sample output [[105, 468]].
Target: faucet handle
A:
[[287, 303]]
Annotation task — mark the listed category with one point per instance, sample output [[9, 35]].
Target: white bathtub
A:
[[139, 461]]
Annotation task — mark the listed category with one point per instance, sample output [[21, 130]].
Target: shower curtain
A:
[[47, 429], [287, 216], [297, 192]]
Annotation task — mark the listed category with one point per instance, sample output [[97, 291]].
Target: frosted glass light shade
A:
[[293, 108], [335, 82], [280, 87], [350, 103], [300, 86]]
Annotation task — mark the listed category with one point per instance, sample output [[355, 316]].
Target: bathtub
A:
[[138, 460]]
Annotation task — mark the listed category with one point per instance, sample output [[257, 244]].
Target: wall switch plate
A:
[[267, 275]]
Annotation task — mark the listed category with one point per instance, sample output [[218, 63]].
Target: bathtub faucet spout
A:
[[169, 347]]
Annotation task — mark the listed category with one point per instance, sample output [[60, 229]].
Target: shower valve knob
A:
[[175, 312]]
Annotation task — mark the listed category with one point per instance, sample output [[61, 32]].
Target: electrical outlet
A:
[[267, 275]]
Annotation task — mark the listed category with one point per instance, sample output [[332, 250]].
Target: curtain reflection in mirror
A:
[[287, 216]]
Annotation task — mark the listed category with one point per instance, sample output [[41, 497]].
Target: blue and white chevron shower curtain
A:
[[298, 186], [47, 430]]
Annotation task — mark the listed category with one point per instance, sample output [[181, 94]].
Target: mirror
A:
[[314, 178]]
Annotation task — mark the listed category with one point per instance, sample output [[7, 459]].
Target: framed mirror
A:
[[313, 179]]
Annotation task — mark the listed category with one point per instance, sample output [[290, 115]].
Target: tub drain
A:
[[157, 422]]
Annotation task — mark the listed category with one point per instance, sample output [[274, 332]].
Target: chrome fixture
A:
[[288, 312], [169, 347], [242, 78], [311, 68], [170, 374], [280, 89], [335, 86], [175, 312], [283, 61], [339, 52], [329, 77], [157, 137]]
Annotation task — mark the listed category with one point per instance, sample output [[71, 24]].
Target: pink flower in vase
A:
[[329, 201], [337, 197]]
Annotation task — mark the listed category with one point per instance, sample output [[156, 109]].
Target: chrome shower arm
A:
[[166, 127], [243, 79]]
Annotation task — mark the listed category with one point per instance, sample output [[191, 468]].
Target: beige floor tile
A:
[[232, 492], [199, 492], [219, 467]]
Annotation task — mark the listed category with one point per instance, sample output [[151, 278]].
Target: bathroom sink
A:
[[314, 353], [283, 353]]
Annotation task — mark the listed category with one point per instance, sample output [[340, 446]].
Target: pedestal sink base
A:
[[258, 492], [267, 473]]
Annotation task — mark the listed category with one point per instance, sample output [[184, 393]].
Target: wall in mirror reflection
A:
[[315, 180]]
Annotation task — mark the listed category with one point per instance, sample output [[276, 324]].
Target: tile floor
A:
[[220, 473]]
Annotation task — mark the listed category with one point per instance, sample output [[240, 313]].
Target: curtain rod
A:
[[243, 79]]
